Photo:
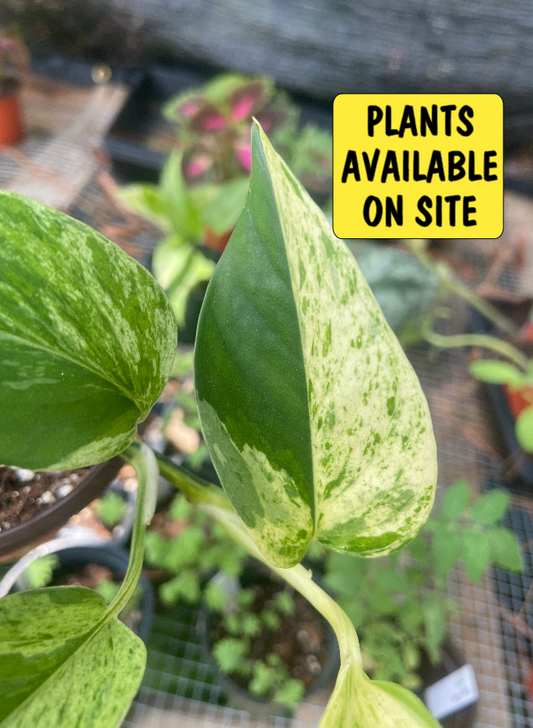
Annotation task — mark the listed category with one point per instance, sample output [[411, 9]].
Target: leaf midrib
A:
[[315, 505], [72, 360]]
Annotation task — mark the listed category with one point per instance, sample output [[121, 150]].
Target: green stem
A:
[[445, 275], [141, 457], [195, 488], [213, 502], [486, 342]]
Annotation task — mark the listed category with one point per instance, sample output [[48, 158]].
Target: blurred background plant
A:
[[203, 185], [186, 549], [399, 604]]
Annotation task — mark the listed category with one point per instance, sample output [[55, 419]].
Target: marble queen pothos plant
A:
[[314, 419]]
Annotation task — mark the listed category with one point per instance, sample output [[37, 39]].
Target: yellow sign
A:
[[418, 165]]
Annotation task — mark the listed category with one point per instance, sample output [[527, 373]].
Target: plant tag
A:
[[454, 692]]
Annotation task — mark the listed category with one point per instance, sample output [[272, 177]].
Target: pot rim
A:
[[116, 558], [330, 669], [43, 524]]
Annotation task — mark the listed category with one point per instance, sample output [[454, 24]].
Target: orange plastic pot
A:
[[11, 126], [519, 398]]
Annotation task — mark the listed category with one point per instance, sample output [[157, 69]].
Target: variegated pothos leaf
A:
[[87, 340], [62, 663], [313, 416]]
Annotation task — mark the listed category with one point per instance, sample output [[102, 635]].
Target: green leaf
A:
[[390, 579], [284, 603], [145, 200], [263, 679], [251, 625], [177, 201], [524, 429], [180, 508], [490, 507], [475, 551], [403, 287], [185, 586], [314, 418], [290, 693], [39, 572], [455, 500], [359, 701], [59, 658], [445, 550], [179, 267], [111, 508], [504, 549], [496, 372], [223, 210], [87, 340], [228, 653], [434, 613], [215, 597]]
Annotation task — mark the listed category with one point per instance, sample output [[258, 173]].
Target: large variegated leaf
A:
[[313, 416], [60, 665], [87, 340]]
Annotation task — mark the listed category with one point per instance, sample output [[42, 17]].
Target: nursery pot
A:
[[505, 406], [241, 698], [116, 559], [11, 126], [18, 538], [451, 660]]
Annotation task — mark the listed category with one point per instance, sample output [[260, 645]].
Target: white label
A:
[[452, 693]]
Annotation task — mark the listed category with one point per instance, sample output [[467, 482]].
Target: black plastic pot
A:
[[16, 539], [452, 659], [519, 465], [116, 559], [127, 141], [242, 699]]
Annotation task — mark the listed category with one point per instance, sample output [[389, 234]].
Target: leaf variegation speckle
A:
[[314, 418], [62, 663], [87, 340]]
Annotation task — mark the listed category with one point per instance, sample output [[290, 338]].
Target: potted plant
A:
[[13, 57], [35, 504], [399, 604], [185, 549], [268, 646], [305, 449]]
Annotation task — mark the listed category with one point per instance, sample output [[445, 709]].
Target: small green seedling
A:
[[111, 509], [244, 622]]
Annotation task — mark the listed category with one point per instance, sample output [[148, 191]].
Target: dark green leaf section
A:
[[57, 668], [250, 376], [87, 340]]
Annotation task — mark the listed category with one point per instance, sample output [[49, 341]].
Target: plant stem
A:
[[141, 457], [445, 275], [196, 489], [215, 504], [483, 340]]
